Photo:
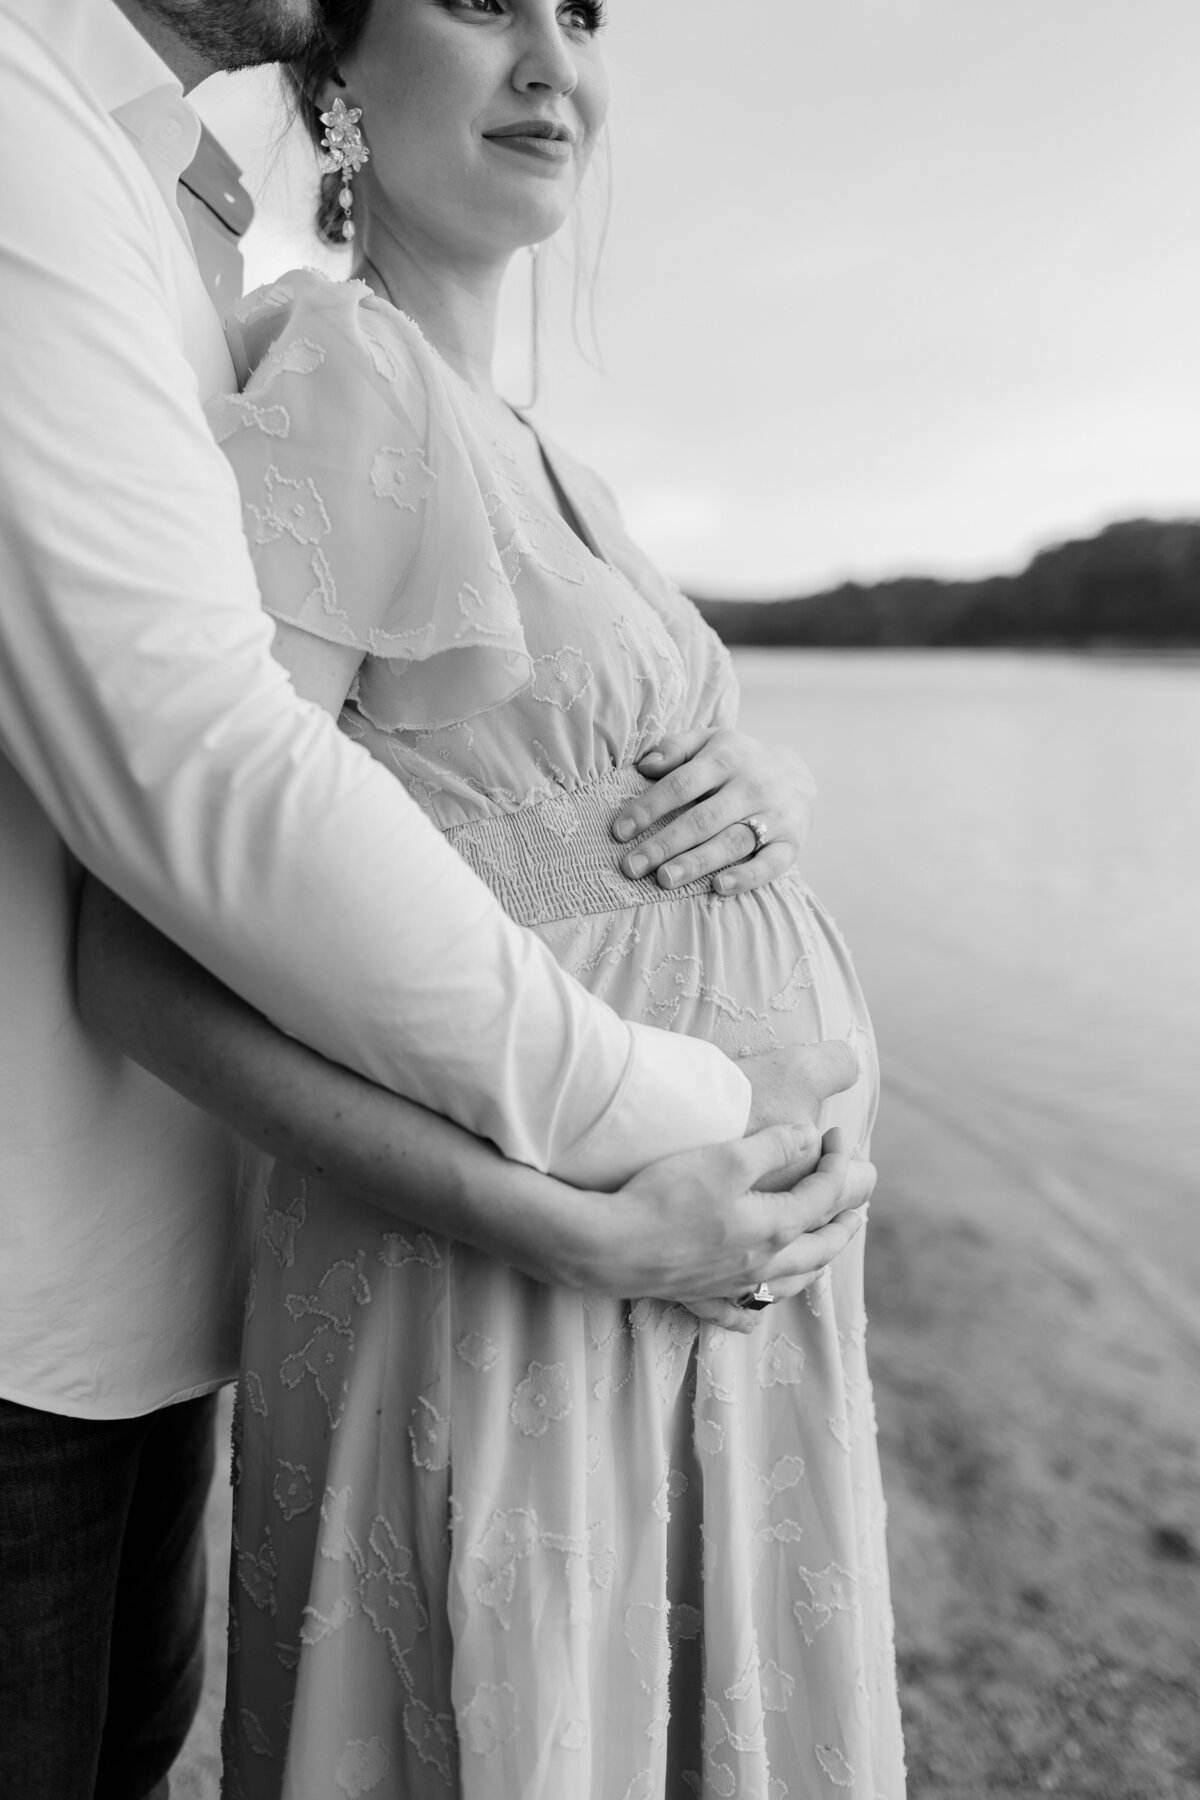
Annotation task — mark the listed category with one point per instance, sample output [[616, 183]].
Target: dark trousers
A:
[[102, 1594]]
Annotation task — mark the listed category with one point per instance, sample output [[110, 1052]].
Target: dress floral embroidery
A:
[[494, 1539]]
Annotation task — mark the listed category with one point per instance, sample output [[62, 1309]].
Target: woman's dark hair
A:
[[342, 23]]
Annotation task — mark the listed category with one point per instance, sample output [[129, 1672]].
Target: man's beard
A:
[[237, 34]]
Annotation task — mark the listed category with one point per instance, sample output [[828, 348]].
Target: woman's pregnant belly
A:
[[750, 973]]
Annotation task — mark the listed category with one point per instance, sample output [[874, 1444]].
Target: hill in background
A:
[[1136, 583]]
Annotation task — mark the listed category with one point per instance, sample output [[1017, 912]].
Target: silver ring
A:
[[757, 1299], [761, 839]]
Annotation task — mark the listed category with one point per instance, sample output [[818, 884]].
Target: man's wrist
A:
[[584, 1244], [552, 1231]]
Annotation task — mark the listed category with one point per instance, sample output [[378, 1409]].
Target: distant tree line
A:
[[1136, 583]]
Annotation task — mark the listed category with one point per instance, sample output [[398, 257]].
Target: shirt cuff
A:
[[677, 1093]]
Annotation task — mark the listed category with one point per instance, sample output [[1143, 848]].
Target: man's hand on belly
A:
[[701, 1226]]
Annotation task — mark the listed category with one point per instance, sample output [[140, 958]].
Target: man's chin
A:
[[240, 34]]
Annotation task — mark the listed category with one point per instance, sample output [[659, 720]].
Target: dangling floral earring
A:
[[345, 153]]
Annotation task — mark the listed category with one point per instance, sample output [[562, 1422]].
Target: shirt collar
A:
[[129, 78]]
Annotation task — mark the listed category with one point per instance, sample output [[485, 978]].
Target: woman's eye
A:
[[586, 15]]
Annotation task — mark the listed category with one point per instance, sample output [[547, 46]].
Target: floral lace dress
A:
[[494, 1539]]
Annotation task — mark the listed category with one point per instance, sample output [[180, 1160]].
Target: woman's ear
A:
[[329, 90]]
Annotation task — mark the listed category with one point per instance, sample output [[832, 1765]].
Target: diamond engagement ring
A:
[[755, 1301], [761, 840]]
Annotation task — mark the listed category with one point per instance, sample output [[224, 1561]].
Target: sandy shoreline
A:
[[1038, 1426]]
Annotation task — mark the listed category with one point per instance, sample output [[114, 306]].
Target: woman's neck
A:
[[454, 303]]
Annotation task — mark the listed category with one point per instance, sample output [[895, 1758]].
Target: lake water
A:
[[1012, 846]]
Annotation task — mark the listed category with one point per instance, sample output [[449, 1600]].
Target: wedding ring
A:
[[755, 1301], [761, 840]]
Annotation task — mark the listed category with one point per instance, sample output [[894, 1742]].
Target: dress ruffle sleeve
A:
[[361, 508]]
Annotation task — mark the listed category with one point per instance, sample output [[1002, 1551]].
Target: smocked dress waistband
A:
[[555, 857]]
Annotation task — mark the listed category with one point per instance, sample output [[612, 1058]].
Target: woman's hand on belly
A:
[[789, 1087], [724, 779]]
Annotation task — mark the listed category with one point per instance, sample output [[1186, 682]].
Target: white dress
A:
[[494, 1539]]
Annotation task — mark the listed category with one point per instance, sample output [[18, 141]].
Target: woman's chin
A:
[[528, 213], [526, 232]]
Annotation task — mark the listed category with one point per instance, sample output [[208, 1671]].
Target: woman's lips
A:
[[531, 142]]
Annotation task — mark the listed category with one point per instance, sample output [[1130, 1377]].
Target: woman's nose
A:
[[545, 64]]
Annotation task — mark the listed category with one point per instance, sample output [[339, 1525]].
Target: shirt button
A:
[[169, 131]]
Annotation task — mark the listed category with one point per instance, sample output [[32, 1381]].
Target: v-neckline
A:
[[569, 513]]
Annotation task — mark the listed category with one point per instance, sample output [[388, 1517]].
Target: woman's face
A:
[[480, 116]]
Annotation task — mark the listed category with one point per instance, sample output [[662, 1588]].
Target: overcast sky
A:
[[890, 285]]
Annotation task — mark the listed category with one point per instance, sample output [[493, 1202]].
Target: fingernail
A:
[[638, 863], [653, 756], [722, 883], [623, 829], [668, 876]]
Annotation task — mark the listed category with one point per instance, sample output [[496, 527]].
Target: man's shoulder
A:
[[27, 55], [78, 166], [47, 104]]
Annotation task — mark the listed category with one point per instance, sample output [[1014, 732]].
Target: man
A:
[[146, 731]]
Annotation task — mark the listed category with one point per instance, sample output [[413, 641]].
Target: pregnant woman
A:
[[493, 1538]]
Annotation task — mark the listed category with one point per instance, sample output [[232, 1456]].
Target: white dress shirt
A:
[[146, 730]]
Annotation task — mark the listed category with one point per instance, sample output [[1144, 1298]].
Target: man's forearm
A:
[[685, 1227], [161, 1009]]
